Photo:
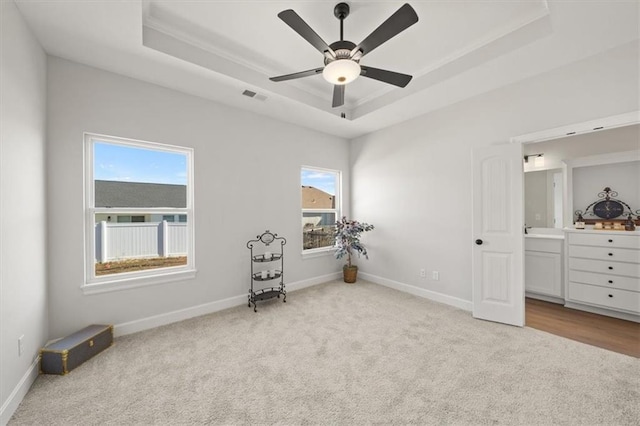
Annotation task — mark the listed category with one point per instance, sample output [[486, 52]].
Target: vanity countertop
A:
[[547, 233], [546, 236]]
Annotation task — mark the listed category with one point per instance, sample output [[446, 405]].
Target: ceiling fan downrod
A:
[[341, 11]]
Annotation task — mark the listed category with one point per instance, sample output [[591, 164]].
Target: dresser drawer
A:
[[605, 280], [605, 240], [607, 297], [605, 253], [605, 267]]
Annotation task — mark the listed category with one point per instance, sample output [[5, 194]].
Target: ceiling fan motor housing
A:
[[342, 49]]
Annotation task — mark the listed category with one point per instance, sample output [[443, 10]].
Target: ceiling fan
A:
[[342, 58]]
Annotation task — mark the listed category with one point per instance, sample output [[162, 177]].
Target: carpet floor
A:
[[345, 354]]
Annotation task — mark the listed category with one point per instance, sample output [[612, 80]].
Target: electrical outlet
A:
[[20, 345], [435, 275], [423, 273]]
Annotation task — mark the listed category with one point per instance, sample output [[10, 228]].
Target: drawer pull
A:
[[90, 343], [610, 281], [611, 295], [610, 241], [610, 254], [610, 267]]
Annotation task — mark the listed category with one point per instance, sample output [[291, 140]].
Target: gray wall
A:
[[247, 180], [624, 178], [23, 280], [413, 181]]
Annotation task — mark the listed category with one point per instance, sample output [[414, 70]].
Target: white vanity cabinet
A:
[[603, 272], [543, 266]]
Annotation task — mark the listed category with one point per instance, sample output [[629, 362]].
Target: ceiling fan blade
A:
[[394, 25], [391, 77], [297, 75], [338, 95], [296, 23]]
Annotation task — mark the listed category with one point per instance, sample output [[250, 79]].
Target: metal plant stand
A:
[[271, 268]]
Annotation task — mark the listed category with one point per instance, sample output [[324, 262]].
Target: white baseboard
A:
[[544, 297], [298, 285], [159, 320], [206, 308], [421, 292], [16, 397]]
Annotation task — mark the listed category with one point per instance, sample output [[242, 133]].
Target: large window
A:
[[135, 191], [320, 207]]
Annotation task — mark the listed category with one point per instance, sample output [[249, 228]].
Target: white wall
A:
[[247, 180], [23, 282], [413, 181]]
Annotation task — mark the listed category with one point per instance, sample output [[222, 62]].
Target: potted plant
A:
[[347, 236]]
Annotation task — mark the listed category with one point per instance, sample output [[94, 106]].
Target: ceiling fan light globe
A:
[[341, 71]]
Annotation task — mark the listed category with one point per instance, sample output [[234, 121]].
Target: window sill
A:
[[117, 284], [321, 252]]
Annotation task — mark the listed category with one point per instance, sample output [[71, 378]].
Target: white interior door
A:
[[498, 241]]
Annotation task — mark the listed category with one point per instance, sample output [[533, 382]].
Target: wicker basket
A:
[[350, 274]]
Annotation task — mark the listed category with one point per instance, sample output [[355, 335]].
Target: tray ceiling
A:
[[218, 49]]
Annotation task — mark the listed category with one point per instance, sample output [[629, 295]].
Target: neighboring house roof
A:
[[138, 194], [314, 198]]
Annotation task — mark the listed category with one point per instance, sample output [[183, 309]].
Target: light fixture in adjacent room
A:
[[538, 159], [341, 71]]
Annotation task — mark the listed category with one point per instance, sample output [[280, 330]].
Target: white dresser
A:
[[603, 272]]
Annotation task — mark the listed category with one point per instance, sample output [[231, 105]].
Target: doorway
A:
[[545, 311]]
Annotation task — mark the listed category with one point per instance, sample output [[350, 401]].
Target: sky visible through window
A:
[[325, 181], [130, 164]]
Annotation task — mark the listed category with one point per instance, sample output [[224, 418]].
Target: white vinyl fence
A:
[[118, 241]]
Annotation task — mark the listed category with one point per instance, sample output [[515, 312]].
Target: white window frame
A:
[[127, 280], [337, 210]]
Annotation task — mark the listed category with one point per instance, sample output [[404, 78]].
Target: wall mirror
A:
[[543, 198]]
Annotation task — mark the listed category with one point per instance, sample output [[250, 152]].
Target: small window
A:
[[320, 207], [134, 192]]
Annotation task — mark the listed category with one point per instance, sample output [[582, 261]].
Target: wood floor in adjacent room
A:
[[605, 332]]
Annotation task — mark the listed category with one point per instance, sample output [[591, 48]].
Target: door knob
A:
[[479, 242]]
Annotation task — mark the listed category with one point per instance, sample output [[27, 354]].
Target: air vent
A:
[[254, 95]]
